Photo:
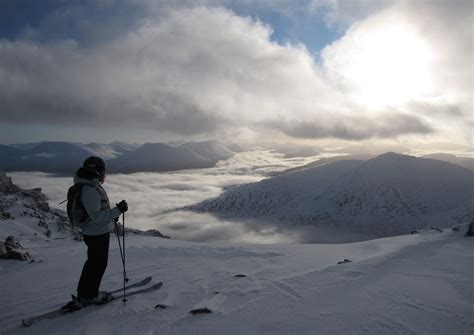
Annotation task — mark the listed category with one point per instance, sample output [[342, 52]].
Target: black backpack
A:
[[75, 209]]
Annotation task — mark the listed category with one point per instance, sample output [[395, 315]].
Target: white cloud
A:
[[207, 71], [151, 196], [415, 57]]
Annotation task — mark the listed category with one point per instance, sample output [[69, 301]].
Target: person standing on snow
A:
[[96, 229]]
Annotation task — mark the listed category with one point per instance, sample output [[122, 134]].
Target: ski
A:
[[137, 284], [152, 288], [61, 311]]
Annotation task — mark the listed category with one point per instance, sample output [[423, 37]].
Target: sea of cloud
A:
[[152, 197]]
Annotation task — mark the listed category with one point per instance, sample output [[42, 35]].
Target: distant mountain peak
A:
[[393, 155]]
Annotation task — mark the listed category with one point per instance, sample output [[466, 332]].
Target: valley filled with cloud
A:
[[152, 197]]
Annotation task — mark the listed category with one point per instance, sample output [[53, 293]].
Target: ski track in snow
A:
[[404, 285]]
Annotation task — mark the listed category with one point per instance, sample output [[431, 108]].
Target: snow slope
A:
[[384, 196], [268, 195], [411, 284], [415, 284]]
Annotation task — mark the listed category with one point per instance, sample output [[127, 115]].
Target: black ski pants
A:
[[95, 265]]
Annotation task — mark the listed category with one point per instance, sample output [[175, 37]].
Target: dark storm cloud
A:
[[352, 128]]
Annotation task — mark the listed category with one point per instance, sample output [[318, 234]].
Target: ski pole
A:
[[117, 232], [125, 278], [122, 257]]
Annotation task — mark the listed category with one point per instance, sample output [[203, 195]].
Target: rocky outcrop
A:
[[6, 184], [12, 249], [34, 205], [149, 232]]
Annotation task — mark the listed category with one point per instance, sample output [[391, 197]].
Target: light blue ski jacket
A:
[[97, 205]]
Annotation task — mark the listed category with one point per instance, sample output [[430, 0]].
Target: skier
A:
[[99, 222]]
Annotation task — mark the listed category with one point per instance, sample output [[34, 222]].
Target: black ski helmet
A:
[[95, 165]]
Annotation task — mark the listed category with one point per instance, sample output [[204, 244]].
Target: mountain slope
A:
[[388, 195], [412, 284], [465, 162], [66, 157], [48, 157], [212, 150], [154, 157], [269, 195]]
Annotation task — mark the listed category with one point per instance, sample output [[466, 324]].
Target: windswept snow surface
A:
[[412, 284]]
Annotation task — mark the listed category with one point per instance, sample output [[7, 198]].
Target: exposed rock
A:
[[12, 243], [161, 306], [156, 233], [344, 261], [204, 310], [20, 255], [6, 184], [44, 206], [14, 249], [149, 232], [36, 194]]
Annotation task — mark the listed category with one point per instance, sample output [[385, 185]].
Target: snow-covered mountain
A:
[[46, 156], [411, 284], [267, 196], [235, 147], [155, 157], [388, 195], [212, 150], [62, 157], [302, 152], [9, 157], [66, 157], [292, 150], [109, 151], [369, 149], [465, 162]]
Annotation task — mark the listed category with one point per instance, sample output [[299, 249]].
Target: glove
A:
[[122, 206]]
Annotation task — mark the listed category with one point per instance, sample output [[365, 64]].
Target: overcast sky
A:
[[154, 70]]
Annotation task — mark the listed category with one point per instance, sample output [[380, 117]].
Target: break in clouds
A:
[[193, 70]]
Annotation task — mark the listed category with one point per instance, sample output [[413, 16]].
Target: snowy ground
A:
[[415, 284]]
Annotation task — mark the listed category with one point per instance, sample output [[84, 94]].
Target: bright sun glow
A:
[[390, 66]]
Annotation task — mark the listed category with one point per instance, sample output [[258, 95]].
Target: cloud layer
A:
[[151, 196], [194, 70]]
